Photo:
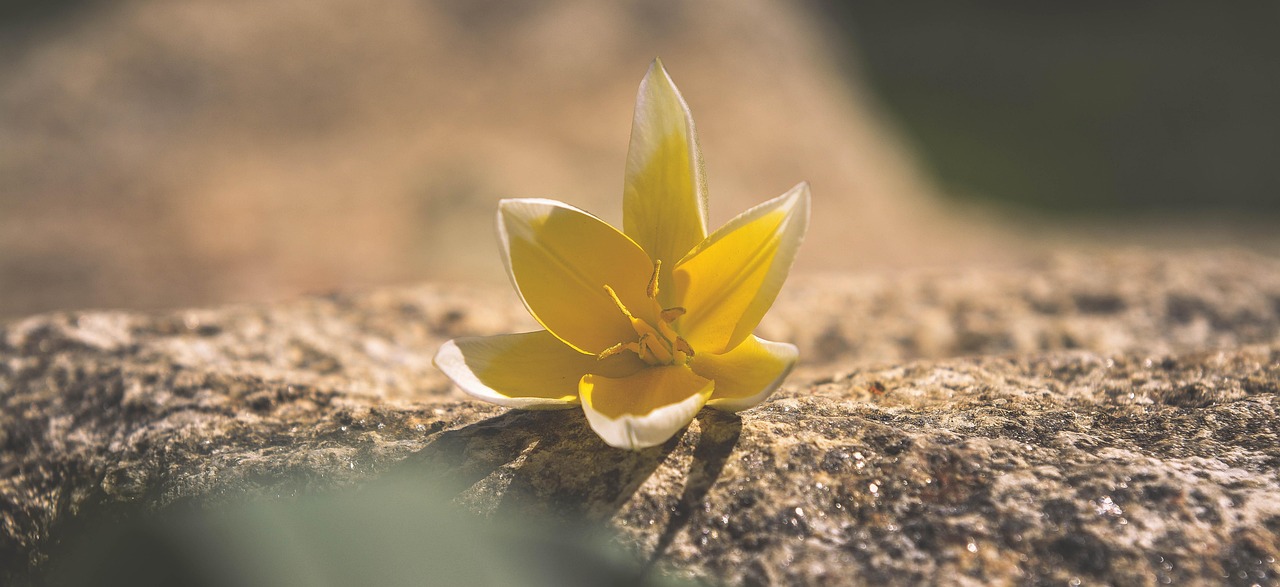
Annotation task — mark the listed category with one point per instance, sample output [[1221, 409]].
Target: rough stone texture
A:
[[1096, 420]]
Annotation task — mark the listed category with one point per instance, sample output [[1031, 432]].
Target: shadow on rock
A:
[[720, 434], [458, 459], [534, 463], [550, 466]]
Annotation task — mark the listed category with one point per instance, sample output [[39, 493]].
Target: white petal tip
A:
[[625, 428], [453, 363], [631, 432]]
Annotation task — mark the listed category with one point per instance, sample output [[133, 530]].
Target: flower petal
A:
[[560, 258], [729, 281], [746, 375], [644, 409], [531, 370], [664, 197]]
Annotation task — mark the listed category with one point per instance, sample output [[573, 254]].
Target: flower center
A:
[[657, 344]]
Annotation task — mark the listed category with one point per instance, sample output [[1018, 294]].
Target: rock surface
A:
[[1087, 419]]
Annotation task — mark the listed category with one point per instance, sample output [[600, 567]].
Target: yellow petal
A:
[[746, 375], [560, 258], [664, 202], [644, 409], [730, 280], [531, 370]]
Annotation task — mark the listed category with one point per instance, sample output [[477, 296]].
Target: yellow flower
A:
[[644, 326]]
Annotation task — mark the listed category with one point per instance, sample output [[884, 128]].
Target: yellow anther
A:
[[640, 326], [611, 351], [682, 345], [652, 289], [618, 302], [670, 315]]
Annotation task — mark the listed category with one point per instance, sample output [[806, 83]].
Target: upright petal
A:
[[730, 280], [644, 409], [746, 375], [560, 258], [529, 370], [664, 197]]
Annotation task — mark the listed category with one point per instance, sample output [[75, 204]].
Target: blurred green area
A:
[[1085, 107], [388, 534]]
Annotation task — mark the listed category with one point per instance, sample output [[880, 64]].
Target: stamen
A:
[[618, 302], [682, 345], [656, 346], [652, 289], [621, 347], [670, 315], [611, 351], [668, 333]]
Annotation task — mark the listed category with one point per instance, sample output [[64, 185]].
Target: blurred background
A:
[[166, 153]]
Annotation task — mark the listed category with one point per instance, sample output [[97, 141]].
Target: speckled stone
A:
[[1085, 420]]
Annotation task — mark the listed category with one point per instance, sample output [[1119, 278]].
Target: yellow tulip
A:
[[644, 326]]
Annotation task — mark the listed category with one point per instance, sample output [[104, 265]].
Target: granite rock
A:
[[1087, 419]]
